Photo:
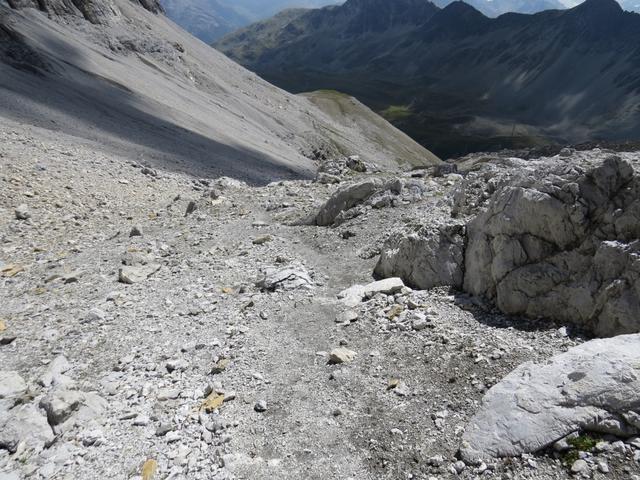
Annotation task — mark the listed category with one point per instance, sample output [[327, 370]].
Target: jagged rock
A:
[[587, 388], [563, 244], [341, 355], [346, 198], [11, 385], [444, 169], [327, 178], [67, 408], [54, 376], [288, 278], [96, 12], [355, 163], [25, 423], [136, 274], [429, 257]]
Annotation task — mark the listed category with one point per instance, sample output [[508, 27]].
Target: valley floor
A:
[[198, 329]]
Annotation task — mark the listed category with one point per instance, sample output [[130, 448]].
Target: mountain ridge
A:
[[557, 75], [131, 81]]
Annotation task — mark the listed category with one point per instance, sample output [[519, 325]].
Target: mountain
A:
[[122, 76], [457, 80], [495, 8], [209, 20]]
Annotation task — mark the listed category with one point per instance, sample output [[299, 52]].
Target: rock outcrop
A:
[[563, 245], [592, 387], [96, 12], [558, 239], [432, 256]]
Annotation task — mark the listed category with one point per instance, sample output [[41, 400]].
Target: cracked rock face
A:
[[563, 245], [432, 256], [593, 387]]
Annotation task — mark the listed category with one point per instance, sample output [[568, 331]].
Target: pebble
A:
[[260, 406], [141, 421], [22, 212], [603, 467], [341, 355], [458, 467], [347, 317], [579, 466]]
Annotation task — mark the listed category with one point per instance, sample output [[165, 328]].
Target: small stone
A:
[[95, 315], [634, 442], [419, 321], [260, 406], [341, 355], [141, 421], [262, 239], [178, 364], [459, 467], [11, 384], [603, 467], [135, 232], [22, 212], [579, 466], [347, 317], [220, 366], [191, 207], [401, 389], [163, 429], [92, 438], [168, 394], [135, 274]]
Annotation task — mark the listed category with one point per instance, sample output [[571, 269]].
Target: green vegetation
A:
[[583, 443], [396, 112]]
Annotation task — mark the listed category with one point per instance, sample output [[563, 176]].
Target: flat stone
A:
[[135, 274], [341, 355], [352, 296], [11, 385], [537, 404]]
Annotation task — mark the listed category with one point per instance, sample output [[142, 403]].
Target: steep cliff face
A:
[[95, 11]]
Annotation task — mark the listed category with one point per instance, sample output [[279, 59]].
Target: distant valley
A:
[[209, 20], [455, 79]]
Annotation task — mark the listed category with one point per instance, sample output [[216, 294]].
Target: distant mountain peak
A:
[[599, 7]]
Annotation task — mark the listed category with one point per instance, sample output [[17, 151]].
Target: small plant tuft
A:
[[583, 443]]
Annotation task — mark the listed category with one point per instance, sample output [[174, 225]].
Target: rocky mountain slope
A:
[[127, 80], [457, 80], [210, 20], [156, 324]]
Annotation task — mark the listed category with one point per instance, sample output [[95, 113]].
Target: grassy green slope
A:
[[382, 136]]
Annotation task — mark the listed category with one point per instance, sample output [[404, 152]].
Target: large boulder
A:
[[27, 424], [593, 387], [430, 256], [346, 198], [562, 244]]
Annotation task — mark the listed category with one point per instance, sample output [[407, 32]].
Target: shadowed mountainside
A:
[[124, 77], [457, 80]]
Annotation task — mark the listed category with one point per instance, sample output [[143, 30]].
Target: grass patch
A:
[[583, 443], [396, 112]]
